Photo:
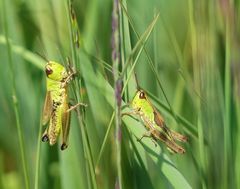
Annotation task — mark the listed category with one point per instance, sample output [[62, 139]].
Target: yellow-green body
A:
[[154, 122], [56, 104]]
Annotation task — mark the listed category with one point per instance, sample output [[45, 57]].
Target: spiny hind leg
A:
[[171, 144], [178, 136], [65, 129]]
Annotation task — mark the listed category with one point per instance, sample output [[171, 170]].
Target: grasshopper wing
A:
[[172, 146], [160, 122], [47, 109], [65, 126], [173, 134]]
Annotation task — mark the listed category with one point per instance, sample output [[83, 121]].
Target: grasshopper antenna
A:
[[39, 39], [70, 65], [42, 56], [136, 79], [69, 62], [61, 54]]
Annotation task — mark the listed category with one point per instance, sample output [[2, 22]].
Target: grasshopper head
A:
[[55, 71], [139, 100]]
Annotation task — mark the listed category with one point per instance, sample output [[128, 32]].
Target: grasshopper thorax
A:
[[55, 71]]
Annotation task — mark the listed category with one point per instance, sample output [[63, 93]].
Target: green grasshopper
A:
[[153, 121], [56, 108]]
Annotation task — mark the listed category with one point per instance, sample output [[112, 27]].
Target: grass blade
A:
[[15, 100], [140, 44]]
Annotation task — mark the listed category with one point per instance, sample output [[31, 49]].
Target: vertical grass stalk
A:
[[36, 179], [85, 138], [105, 140], [117, 88], [196, 41], [15, 99], [75, 45], [227, 95]]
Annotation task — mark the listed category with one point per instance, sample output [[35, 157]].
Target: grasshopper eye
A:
[[142, 95], [48, 71]]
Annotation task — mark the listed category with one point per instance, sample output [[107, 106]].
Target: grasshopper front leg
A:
[[128, 114], [68, 78]]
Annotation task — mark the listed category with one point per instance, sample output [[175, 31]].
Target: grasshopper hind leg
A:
[[66, 118], [171, 145], [178, 136], [65, 127], [45, 137]]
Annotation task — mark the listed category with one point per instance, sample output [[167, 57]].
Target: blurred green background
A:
[[187, 59]]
